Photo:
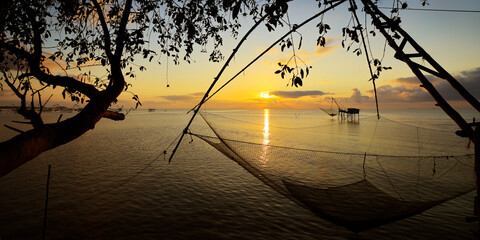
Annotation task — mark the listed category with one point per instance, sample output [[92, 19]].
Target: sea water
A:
[[114, 182]]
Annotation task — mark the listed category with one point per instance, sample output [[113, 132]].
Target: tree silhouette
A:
[[108, 34], [113, 34]]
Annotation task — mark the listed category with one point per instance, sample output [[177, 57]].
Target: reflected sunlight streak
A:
[[266, 136]]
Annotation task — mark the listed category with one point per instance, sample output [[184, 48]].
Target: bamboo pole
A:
[[213, 84], [360, 30], [449, 78], [372, 10], [477, 171], [206, 97], [46, 204]]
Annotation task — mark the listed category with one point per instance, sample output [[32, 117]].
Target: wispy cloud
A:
[[186, 97], [331, 44], [6, 92], [408, 81], [297, 94], [407, 89], [358, 97], [401, 93]]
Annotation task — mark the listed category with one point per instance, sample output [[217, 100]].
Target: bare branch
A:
[[113, 115], [29, 114], [14, 89], [121, 34], [51, 95], [106, 33], [63, 81], [14, 129], [22, 122], [37, 37]]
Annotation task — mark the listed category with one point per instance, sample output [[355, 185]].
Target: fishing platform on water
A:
[[349, 113], [343, 112]]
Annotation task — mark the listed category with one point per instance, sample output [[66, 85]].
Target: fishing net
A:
[[331, 112], [356, 174]]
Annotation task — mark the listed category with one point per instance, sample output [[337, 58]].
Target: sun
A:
[[265, 95]]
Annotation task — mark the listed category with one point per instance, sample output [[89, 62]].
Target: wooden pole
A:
[[373, 11], [360, 30], [442, 73], [477, 171], [46, 204], [207, 95]]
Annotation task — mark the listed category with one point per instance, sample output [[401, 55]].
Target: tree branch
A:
[[113, 115], [30, 114], [19, 52], [106, 33], [121, 34], [62, 81], [37, 37], [14, 129], [14, 89]]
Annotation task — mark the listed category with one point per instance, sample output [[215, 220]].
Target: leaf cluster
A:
[[298, 74], [378, 68], [77, 34], [322, 30], [275, 10]]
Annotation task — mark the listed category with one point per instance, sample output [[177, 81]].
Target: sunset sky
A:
[[451, 38]]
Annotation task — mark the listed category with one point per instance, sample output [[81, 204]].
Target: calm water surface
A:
[[98, 192]]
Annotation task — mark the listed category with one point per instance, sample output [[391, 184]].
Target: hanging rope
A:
[[214, 82], [373, 77], [271, 46], [206, 97]]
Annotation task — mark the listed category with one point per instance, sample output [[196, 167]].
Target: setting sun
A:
[[265, 95]]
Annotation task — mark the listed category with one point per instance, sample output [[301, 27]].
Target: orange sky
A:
[[451, 38]]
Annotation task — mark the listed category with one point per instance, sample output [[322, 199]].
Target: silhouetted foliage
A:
[[108, 35]]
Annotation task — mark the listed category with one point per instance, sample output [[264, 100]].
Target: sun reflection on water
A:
[[266, 136], [266, 127]]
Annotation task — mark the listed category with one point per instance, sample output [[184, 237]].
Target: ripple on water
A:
[[200, 195]]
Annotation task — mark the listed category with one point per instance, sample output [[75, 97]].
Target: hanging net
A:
[[356, 174], [330, 112]]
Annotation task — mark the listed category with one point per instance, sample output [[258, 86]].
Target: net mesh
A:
[[374, 172], [331, 112]]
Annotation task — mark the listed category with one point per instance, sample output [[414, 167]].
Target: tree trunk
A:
[[26, 146]]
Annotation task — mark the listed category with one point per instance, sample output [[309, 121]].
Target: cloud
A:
[[401, 93], [10, 61], [414, 80], [304, 56], [469, 79], [197, 94], [187, 97], [297, 94], [6, 93], [407, 89], [331, 44], [358, 97]]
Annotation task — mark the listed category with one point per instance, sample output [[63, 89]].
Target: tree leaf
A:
[[235, 10], [298, 82]]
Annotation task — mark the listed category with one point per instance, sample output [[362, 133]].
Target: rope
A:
[[274, 126], [436, 10], [354, 7], [204, 99], [141, 170], [270, 47]]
